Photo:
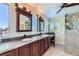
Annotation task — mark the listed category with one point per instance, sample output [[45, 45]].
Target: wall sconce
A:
[[20, 6], [41, 18], [28, 10], [37, 15]]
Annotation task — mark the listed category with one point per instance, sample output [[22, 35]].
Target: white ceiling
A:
[[50, 9]]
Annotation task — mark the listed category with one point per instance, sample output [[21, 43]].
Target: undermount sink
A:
[[27, 39]]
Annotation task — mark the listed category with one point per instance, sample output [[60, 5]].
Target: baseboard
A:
[[61, 46], [59, 43]]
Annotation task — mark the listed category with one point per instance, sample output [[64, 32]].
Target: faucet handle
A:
[[24, 35]]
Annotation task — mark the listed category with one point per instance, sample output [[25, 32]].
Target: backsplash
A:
[[22, 37]]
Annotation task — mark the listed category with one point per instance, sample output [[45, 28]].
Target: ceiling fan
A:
[[65, 5]]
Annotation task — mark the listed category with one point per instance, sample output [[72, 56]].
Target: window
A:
[[52, 24], [34, 23], [4, 20]]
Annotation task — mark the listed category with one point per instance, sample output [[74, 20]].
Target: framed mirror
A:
[[24, 20], [41, 24]]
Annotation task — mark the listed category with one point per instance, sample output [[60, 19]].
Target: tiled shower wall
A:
[[72, 42], [72, 36]]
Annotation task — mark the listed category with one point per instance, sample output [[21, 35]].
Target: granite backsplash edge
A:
[[22, 37]]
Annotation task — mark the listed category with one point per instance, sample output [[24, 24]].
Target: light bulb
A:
[[21, 6]]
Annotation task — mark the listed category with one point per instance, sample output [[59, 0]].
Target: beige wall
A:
[[60, 34]]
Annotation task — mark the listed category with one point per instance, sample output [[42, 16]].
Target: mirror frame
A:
[[41, 20], [25, 13]]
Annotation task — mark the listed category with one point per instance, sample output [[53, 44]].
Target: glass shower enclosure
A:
[[72, 34]]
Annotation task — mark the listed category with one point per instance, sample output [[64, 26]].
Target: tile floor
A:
[[56, 51]]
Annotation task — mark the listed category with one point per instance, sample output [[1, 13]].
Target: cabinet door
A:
[[48, 42], [11, 53], [53, 40], [42, 46], [35, 48], [46, 45], [25, 50]]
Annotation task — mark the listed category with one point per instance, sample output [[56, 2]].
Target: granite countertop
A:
[[7, 46]]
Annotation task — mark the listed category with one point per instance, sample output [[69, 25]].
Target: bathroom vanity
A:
[[35, 46]]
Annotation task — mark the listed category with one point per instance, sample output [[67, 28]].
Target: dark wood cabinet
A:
[[42, 46], [11, 53], [35, 48], [25, 50], [52, 40], [46, 44]]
